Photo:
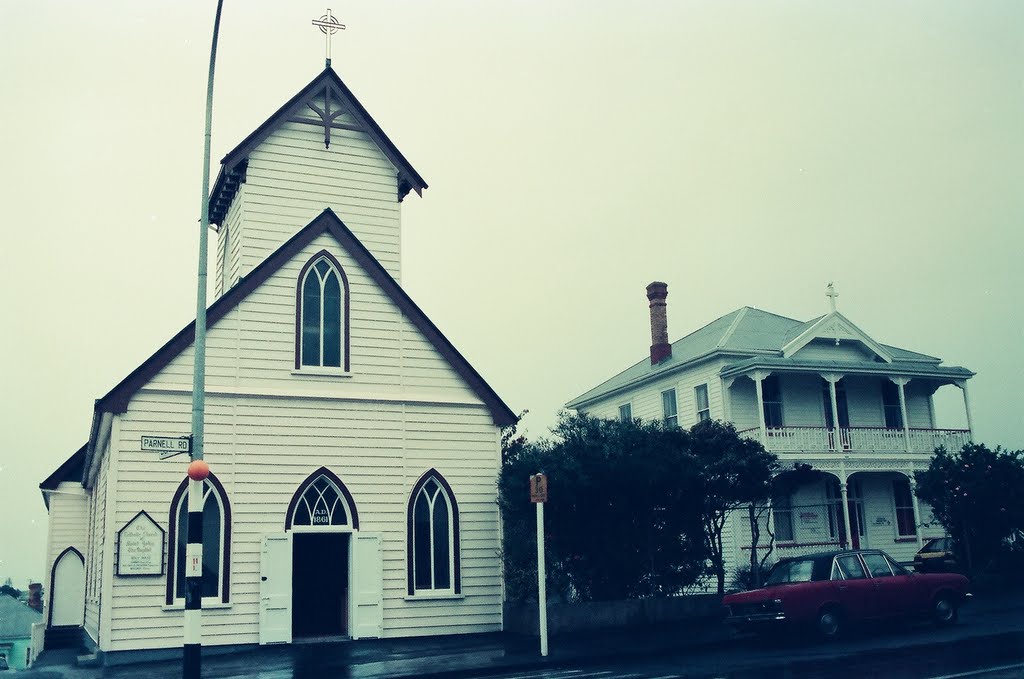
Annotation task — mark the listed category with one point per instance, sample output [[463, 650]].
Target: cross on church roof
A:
[[830, 292], [328, 25]]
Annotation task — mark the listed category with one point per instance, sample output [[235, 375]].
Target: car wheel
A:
[[945, 610], [830, 623]]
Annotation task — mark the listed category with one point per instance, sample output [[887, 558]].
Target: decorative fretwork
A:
[[327, 117]]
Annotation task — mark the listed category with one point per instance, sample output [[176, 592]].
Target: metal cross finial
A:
[[328, 25], [830, 292]]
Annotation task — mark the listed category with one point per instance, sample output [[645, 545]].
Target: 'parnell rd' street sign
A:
[[167, 446]]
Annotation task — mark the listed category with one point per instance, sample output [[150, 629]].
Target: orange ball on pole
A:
[[198, 470]]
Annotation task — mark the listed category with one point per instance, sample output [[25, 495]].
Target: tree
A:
[[8, 589], [623, 516], [975, 495], [783, 484], [733, 472]]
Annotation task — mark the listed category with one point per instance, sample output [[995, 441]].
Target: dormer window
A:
[[322, 319]]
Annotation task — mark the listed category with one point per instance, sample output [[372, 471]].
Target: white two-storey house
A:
[[854, 415]]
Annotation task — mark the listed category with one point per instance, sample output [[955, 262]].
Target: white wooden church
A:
[[353, 450]]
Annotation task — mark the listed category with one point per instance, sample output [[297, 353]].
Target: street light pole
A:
[[192, 651]]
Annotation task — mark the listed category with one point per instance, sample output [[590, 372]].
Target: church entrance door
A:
[[320, 584]]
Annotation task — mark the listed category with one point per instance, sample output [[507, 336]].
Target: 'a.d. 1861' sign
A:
[[140, 547]]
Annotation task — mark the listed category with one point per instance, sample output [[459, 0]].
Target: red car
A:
[[826, 592]]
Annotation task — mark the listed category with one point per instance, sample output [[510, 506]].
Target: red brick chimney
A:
[[35, 599], [660, 348]]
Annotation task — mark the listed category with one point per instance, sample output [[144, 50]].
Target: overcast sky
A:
[[744, 152]]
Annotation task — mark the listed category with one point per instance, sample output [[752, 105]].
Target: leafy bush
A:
[[623, 516], [975, 495]]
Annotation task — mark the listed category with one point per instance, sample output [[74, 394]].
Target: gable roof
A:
[[836, 325], [69, 470], [746, 332], [72, 469], [16, 618], [116, 400], [328, 83]]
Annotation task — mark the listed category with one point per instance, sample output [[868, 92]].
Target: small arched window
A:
[[322, 318], [433, 537], [216, 542]]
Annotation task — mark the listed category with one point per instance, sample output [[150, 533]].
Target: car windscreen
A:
[[800, 570]]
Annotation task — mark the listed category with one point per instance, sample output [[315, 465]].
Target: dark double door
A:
[[320, 577]]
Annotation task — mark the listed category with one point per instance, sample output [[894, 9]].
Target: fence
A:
[[781, 531]]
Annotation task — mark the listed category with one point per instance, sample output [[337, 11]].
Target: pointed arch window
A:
[[321, 328], [216, 542], [433, 537], [322, 500]]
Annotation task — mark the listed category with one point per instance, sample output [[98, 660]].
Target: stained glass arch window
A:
[[322, 501], [433, 537], [321, 337]]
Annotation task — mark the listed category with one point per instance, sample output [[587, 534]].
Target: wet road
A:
[[988, 643]]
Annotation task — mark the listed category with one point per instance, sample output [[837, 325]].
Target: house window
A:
[[905, 524], [626, 412], [891, 405], [836, 512], [782, 512], [841, 404], [771, 399], [701, 398], [216, 542], [433, 537], [668, 406], [322, 319]]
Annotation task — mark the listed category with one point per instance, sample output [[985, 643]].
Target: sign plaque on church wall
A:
[[140, 547]]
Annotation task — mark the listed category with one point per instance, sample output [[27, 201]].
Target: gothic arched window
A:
[[322, 318], [322, 500], [433, 537], [216, 542]]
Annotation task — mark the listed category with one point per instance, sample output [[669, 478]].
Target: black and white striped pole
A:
[[197, 469]]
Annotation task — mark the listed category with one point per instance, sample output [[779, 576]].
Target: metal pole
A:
[[192, 651], [542, 595]]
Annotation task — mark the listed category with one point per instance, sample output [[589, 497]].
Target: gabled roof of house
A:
[[116, 400], [233, 165], [16, 618], [745, 333]]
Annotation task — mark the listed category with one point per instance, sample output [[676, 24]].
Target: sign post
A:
[[538, 496]]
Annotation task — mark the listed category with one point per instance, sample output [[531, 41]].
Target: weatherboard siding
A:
[[291, 178], [253, 346], [95, 563], [261, 449], [646, 401], [68, 527]]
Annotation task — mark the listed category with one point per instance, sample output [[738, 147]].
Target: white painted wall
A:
[[95, 551], [647, 403], [389, 357], [68, 526], [402, 412], [262, 448], [291, 178]]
